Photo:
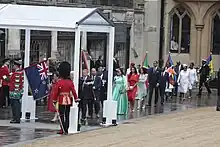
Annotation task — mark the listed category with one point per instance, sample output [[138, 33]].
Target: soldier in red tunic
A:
[[5, 82], [16, 91], [63, 93]]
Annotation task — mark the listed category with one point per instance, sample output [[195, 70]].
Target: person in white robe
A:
[[183, 82], [193, 80]]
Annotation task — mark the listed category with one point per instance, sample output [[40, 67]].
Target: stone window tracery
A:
[[216, 33], [180, 31]]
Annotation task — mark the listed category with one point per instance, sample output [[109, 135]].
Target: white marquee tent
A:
[[52, 18]]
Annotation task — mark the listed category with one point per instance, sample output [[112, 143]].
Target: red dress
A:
[[50, 105], [132, 80]]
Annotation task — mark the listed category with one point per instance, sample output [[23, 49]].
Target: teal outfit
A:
[[120, 94]]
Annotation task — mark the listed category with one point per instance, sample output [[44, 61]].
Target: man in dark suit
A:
[[97, 83], [153, 79], [162, 85], [103, 90], [177, 70], [204, 77], [86, 95]]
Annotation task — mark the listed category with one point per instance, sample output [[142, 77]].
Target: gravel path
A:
[[191, 128]]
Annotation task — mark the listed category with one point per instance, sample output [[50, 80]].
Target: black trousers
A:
[[16, 109], [96, 102], [203, 82], [64, 116], [84, 104], [162, 93], [151, 90], [5, 95]]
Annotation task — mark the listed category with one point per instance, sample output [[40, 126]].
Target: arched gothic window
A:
[[180, 31], [216, 33]]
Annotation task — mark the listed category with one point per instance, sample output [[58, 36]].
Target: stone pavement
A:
[[17, 134], [191, 128]]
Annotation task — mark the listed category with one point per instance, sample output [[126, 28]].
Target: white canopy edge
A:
[[50, 18]]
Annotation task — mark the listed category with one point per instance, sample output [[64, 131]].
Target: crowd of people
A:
[[133, 88], [137, 85]]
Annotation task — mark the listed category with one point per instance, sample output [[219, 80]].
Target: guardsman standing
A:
[[16, 91], [5, 82], [64, 93]]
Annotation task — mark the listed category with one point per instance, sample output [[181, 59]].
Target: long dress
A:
[[120, 95], [192, 78], [50, 105], [142, 89], [183, 81], [132, 81]]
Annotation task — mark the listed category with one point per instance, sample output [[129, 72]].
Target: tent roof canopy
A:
[[49, 17]]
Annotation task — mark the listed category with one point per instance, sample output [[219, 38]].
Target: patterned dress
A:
[[120, 95]]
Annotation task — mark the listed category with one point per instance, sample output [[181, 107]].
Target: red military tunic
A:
[[63, 92], [5, 75], [16, 85]]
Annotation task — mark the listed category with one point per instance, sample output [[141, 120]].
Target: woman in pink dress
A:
[[50, 99], [133, 78]]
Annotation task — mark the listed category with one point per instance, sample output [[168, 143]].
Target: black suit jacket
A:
[[85, 89], [154, 76], [97, 83], [103, 91]]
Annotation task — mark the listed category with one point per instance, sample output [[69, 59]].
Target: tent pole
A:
[[26, 64], [73, 128], [110, 106]]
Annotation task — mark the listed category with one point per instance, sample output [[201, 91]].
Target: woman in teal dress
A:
[[120, 92]]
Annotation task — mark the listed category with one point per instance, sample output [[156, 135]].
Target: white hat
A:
[[184, 65]]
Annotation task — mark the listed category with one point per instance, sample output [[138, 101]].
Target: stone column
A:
[[54, 44], [199, 29], [13, 47]]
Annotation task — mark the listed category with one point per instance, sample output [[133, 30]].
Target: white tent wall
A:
[[62, 19]]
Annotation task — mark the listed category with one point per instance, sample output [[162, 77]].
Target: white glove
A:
[[93, 87], [157, 84], [178, 84]]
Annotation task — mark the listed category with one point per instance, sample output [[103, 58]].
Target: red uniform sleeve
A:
[[74, 91], [55, 92]]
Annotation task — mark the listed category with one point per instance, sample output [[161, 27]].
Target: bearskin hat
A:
[[64, 70]]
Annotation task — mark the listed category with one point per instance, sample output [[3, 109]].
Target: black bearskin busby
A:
[[64, 70]]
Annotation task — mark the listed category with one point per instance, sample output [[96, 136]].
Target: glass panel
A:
[[216, 35], [174, 32], [185, 38]]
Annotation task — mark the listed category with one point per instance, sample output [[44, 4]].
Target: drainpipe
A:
[[161, 33]]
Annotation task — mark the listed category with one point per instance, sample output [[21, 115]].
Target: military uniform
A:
[[15, 94], [63, 93], [5, 77]]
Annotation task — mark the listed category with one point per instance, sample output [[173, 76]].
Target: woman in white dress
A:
[[183, 81], [192, 78], [141, 99]]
